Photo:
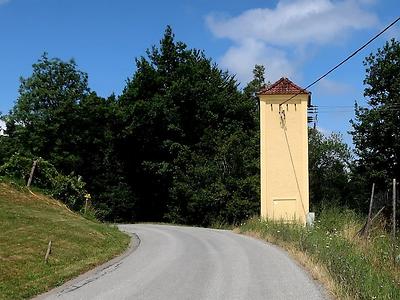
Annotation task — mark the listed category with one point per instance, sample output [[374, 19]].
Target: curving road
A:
[[174, 262]]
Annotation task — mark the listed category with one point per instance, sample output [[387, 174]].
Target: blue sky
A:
[[299, 39]]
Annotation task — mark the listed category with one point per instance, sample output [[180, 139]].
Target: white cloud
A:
[[4, 1], [240, 59], [274, 36], [294, 22]]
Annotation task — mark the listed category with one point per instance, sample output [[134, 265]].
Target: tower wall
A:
[[284, 157]]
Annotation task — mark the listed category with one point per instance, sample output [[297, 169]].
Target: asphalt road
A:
[[195, 263]]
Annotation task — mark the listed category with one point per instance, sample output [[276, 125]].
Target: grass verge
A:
[[349, 267], [27, 223]]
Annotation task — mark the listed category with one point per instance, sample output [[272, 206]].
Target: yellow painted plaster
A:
[[284, 157]]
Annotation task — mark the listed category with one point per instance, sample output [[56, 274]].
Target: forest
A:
[[180, 144]]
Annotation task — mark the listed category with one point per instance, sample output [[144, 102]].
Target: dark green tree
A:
[[376, 129], [7, 147], [44, 121], [329, 168], [99, 161], [254, 86], [258, 81], [58, 118], [187, 139], [179, 145]]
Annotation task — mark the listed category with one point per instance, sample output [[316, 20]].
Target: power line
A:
[[315, 110], [343, 61], [352, 106]]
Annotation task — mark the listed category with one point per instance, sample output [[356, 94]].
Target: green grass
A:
[[27, 223], [357, 269]]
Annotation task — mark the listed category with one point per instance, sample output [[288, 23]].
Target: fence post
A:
[[31, 174], [371, 202], [394, 222], [46, 258]]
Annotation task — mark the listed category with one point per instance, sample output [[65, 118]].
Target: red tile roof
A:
[[282, 87]]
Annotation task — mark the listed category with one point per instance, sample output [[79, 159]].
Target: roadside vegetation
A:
[[180, 145], [28, 221], [350, 267]]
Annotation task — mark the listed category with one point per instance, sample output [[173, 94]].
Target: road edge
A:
[[325, 288], [96, 272]]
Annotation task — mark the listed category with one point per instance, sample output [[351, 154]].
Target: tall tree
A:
[[258, 81], [187, 126], [44, 120], [99, 161], [57, 117], [376, 129], [329, 166]]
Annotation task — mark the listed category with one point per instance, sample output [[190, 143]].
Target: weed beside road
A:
[[351, 267], [27, 223]]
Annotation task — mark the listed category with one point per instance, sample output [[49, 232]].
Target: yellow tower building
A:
[[284, 151]]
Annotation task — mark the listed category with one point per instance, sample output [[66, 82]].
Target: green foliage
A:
[[57, 117], [254, 86], [189, 144], [376, 128], [100, 164], [69, 189], [179, 145], [17, 166], [44, 121], [7, 148], [359, 270], [329, 168]]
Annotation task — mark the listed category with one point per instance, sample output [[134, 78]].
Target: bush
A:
[[69, 189], [17, 167]]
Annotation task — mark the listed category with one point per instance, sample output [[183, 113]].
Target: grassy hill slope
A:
[[27, 223]]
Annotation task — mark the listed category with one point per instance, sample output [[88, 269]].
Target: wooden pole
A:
[[394, 222], [86, 204], [31, 174], [371, 201], [46, 258], [377, 214]]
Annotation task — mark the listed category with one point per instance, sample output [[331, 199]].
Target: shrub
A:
[[69, 189]]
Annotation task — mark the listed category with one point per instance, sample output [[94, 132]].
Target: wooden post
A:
[[87, 197], [394, 222], [31, 174], [377, 214], [371, 201], [46, 258], [86, 204]]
